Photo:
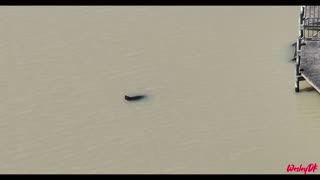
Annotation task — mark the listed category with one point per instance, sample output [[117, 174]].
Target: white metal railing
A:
[[309, 23]]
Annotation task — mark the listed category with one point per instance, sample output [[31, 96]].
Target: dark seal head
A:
[[134, 98]]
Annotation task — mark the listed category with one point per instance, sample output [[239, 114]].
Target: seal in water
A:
[[134, 98]]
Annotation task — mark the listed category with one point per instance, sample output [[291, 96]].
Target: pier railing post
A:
[[301, 29], [298, 73], [298, 48]]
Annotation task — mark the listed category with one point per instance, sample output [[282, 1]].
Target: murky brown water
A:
[[219, 82]]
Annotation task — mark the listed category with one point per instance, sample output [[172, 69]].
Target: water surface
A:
[[219, 81]]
